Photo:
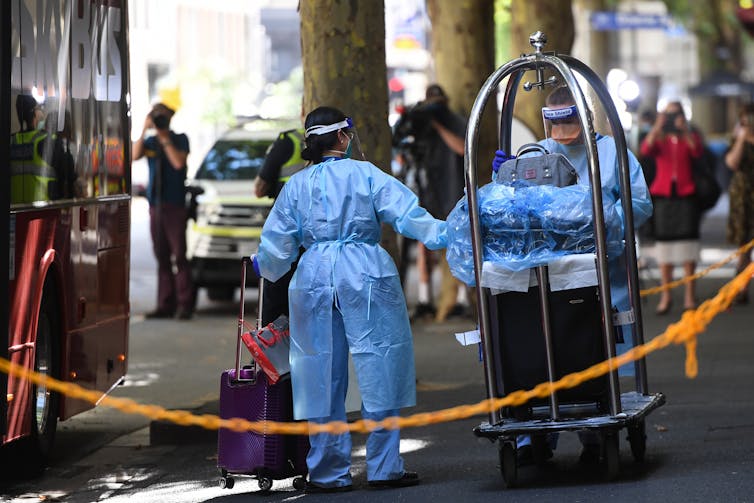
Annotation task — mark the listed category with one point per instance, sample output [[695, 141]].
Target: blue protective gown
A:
[[641, 204], [334, 210]]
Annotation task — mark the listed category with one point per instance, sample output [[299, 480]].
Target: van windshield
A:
[[233, 160]]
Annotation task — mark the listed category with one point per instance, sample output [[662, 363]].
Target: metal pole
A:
[[470, 164], [544, 301]]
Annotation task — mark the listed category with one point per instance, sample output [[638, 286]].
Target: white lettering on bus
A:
[[47, 42], [81, 53], [107, 87], [95, 64]]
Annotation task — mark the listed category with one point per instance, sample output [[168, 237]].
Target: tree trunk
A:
[[598, 40], [463, 51], [343, 55], [720, 48], [555, 19]]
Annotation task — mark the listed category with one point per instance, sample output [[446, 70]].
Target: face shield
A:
[[562, 124], [345, 127]]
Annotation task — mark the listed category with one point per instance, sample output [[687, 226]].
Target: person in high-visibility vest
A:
[[35, 156], [282, 160]]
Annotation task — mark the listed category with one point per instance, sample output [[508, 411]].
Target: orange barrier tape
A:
[[692, 323], [744, 249]]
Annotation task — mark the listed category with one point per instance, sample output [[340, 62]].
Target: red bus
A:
[[65, 111]]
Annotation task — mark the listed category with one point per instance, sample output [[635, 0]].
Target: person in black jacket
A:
[[282, 160], [439, 146]]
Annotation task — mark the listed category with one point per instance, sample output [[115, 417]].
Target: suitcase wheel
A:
[[299, 483], [265, 484], [227, 482]]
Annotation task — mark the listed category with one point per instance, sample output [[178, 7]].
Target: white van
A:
[[228, 216]]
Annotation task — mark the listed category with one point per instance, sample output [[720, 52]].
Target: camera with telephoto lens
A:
[[669, 126], [413, 126], [160, 121]]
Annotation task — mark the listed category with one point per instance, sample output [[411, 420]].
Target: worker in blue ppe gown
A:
[[346, 296], [564, 135]]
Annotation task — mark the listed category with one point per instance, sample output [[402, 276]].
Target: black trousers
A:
[[275, 297]]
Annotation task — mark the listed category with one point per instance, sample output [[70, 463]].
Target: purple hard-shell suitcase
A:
[[265, 456]]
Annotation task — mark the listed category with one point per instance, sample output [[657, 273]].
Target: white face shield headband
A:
[[321, 129], [353, 150]]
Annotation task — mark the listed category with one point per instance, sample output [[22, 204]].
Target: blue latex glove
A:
[[255, 265], [500, 158]]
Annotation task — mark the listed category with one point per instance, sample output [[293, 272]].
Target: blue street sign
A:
[[609, 21]]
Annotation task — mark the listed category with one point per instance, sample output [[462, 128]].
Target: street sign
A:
[[610, 21]]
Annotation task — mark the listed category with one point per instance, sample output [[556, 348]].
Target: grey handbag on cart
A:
[[544, 169]]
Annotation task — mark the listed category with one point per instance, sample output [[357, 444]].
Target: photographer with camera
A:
[[431, 138], [674, 145], [740, 160], [166, 152]]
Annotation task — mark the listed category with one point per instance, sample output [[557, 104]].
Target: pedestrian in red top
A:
[[674, 144]]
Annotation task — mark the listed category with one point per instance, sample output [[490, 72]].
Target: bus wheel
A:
[[44, 402]]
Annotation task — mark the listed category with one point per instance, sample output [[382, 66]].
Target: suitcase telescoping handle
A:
[[245, 263]]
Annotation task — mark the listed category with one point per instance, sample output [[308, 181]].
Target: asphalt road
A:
[[700, 444]]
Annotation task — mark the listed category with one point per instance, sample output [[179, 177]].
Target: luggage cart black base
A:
[[635, 406]]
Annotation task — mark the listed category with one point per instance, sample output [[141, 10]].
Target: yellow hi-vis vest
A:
[[295, 162], [30, 175]]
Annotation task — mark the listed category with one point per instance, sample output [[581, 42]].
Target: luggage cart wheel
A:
[[541, 450], [611, 458], [508, 466], [227, 482], [299, 483], [637, 437], [265, 484]]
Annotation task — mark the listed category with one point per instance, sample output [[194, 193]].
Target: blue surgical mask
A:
[[347, 153]]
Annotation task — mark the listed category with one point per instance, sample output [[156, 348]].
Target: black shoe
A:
[[312, 488], [423, 310], [159, 314], [408, 479], [525, 455], [590, 454], [185, 314]]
